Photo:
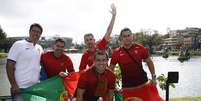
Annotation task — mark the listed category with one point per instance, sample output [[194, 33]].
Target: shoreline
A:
[[198, 98]]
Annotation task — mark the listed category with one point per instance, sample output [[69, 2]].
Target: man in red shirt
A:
[[134, 78], [57, 62], [87, 57], [98, 81]]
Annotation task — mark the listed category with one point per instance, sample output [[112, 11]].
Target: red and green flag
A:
[[52, 89], [118, 96], [146, 93], [70, 83], [48, 90]]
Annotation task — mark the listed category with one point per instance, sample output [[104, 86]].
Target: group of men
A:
[[97, 79]]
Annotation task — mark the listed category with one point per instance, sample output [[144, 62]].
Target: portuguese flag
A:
[[52, 89], [70, 83], [48, 90], [146, 93], [118, 96]]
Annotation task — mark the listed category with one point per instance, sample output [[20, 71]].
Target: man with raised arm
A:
[[87, 57]]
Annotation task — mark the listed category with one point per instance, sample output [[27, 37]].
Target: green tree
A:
[[149, 40], [2, 34], [142, 38], [2, 39], [5, 43]]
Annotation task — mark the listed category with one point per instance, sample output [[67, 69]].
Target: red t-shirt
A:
[[132, 71], [53, 66], [90, 80], [87, 57]]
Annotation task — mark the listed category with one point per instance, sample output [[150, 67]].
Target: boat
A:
[[183, 58], [184, 55], [165, 55]]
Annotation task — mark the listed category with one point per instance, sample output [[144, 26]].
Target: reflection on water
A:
[[189, 75], [4, 83]]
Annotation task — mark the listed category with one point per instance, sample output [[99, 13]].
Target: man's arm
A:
[[151, 69], [80, 93], [83, 63], [111, 94], [69, 68], [10, 68], [110, 27]]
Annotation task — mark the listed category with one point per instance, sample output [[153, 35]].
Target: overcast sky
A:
[[74, 18]]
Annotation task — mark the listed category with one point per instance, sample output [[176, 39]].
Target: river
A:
[[189, 75]]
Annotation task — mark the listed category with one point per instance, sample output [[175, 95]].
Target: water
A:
[[4, 83], [189, 75]]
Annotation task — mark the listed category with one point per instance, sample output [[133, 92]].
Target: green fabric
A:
[[118, 96], [48, 90]]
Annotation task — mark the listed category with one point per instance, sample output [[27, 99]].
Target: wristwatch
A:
[[153, 75]]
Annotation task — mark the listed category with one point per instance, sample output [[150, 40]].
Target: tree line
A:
[[5, 43]]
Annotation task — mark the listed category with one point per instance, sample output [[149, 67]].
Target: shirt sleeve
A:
[[14, 52], [83, 62], [102, 45], [70, 67], [145, 53], [114, 58]]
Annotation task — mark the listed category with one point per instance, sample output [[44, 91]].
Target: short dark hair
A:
[[36, 25], [88, 34], [100, 52], [124, 30], [59, 40]]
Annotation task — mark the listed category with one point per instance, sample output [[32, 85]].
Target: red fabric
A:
[[87, 57], [89, 81], [70, 83], [53, 66], [102, 45], [145, 93], [132, 73]]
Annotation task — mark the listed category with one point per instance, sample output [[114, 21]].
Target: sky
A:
[[74, 18]]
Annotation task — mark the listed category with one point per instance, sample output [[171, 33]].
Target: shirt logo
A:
[[133, 99], [121, 54], [137, 47], [136, 52]]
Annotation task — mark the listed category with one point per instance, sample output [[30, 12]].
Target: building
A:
[[171, 42], [189, 37], [47, 42]]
